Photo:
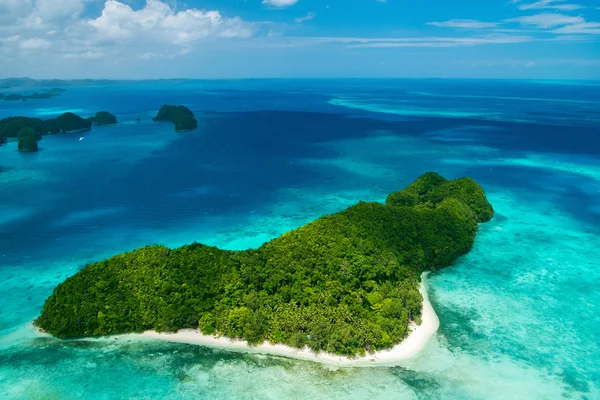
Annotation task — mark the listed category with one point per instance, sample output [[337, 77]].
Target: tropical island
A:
[[181, 116], [27, 130], [65, 123], [345, 284], [34, 96], [28, 139], [103, 118]]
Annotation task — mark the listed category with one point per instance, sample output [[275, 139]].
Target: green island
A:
[[65, 123], [17, 127], [346, 283], [28, 139], [181, 116], [103, 118], [34, 96]]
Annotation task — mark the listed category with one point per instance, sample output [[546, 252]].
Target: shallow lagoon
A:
[[519, 315]]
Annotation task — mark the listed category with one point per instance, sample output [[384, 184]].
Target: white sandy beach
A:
[[409, 348]]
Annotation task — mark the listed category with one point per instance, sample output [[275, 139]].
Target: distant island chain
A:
[[29, 131]]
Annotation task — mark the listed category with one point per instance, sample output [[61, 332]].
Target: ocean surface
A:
[[520, 314]]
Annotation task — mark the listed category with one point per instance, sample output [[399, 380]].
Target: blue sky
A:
[[544, 39]]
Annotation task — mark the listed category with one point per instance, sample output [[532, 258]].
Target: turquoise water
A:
[[519, 315]]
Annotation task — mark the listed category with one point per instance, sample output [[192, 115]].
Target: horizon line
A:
[[299, 78]]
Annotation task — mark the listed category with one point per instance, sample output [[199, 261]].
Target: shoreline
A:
[[409, 348]]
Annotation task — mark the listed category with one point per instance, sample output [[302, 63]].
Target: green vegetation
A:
[[66, 123], [13, 127], [34, 96], [431, 189], [182, 116], [104, 118], [29, 132], [28, 145], [69, 122], [15, 97], [346, 283], [28, 139]]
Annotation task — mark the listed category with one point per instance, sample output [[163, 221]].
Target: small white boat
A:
[[81, 138]]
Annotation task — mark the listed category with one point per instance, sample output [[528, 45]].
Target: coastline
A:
[[410, 347]]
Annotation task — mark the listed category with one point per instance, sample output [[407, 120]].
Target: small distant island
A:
[[34, 96], [28, 139], [181, 116], [104, 118], [345, 284]]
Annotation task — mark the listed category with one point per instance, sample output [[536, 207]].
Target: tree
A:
[[29, 132], [104, 118], [28, 144], [69, 122]]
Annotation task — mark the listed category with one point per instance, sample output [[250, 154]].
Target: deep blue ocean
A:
[[520, 314]]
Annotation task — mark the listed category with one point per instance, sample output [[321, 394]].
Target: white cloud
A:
[[447, 42], [588, 28], [358, 42], [51, 10], [280, 3], [55, 34], [308, 17], [10, 39], [529, 63], [547, 20], [11, 10], [118, 33], [464, 23], [35, 44], [562, 24], [37, 13], [549, 5], [158, 22], [93, 54]]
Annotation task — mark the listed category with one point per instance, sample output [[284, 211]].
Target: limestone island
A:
[[344, 286], [17, 127], [28, 139], [34, 96], [181, 116], [104, 118], [65, 123]]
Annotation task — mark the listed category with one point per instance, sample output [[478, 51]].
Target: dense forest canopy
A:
[[65, 123], [181, 116], [346, 283], [104, 118], [28, 139], [13, 127], [69, 122]]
